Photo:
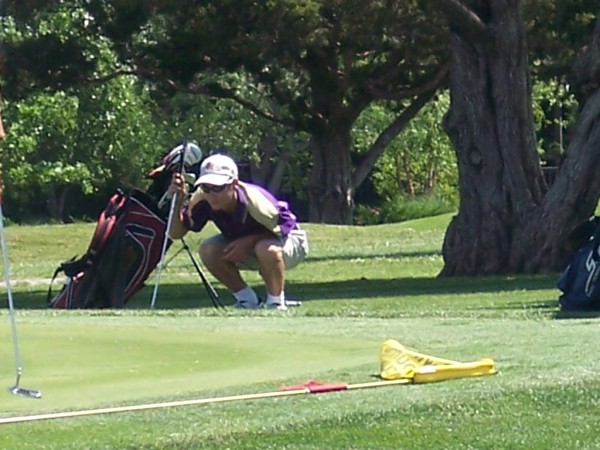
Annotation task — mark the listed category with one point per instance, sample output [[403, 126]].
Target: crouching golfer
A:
[[257, 231]]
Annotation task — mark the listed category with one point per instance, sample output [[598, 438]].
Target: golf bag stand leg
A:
[[164, 250], [212, 293]]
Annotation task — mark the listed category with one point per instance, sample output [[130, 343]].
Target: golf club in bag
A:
[[16, 389], [161, 261]]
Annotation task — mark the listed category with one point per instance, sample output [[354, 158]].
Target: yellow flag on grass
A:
[[399, 362]]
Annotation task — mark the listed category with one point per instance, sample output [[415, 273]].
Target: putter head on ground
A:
[[31, 393]]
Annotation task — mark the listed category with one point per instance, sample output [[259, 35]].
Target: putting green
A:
[[82, 362]]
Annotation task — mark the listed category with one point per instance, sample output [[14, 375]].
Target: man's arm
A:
[[182, 221], [178, 229]]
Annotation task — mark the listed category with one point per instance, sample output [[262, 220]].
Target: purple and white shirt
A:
[[256, 210]]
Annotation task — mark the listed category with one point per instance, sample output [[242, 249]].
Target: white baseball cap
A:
[[217, 170]]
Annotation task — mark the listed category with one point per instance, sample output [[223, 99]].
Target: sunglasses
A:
[[208, 188]]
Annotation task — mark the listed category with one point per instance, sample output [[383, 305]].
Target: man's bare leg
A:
[[224, 271], [269, 254]]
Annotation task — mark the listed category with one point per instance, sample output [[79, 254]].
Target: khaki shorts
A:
[[295, 249]]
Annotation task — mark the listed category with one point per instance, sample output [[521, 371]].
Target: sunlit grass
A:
[[360, 286]]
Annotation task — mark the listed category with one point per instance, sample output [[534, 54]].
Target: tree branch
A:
[[432, 84], [211, 89], [387, 135]]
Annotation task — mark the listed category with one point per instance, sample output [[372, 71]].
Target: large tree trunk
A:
[[506, 222], [491, 127], [573, 197], [331, 197], [57, 197]]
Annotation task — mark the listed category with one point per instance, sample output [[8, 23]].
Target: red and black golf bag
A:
[[126, 245], [125, 248]]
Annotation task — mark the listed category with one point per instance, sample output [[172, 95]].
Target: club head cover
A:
[[171, 161]]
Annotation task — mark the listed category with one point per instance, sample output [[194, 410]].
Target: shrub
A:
[[403, 208]]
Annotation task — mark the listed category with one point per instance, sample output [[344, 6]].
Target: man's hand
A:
[[178, 185], [238, 249]]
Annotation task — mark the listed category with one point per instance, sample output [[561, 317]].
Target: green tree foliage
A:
[[416, 176], [555, 114], [40, 141], [67, 140], [420, 161], [557, 30], [265, 151], [313, 66], [46, 45], [61, 148]]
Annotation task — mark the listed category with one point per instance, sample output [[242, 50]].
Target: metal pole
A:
[[310, 388], [16, 389]]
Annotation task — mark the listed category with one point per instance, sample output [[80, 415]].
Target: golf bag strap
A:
[[106, 223], [49, 293]]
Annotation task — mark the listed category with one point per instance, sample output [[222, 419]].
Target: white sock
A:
[[276, 299], [246, 295]]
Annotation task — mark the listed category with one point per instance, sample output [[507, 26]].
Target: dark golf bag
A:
[[125, 248], [580, 281], [127, 243]]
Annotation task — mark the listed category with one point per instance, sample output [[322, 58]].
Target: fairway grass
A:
[[360, 286]]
